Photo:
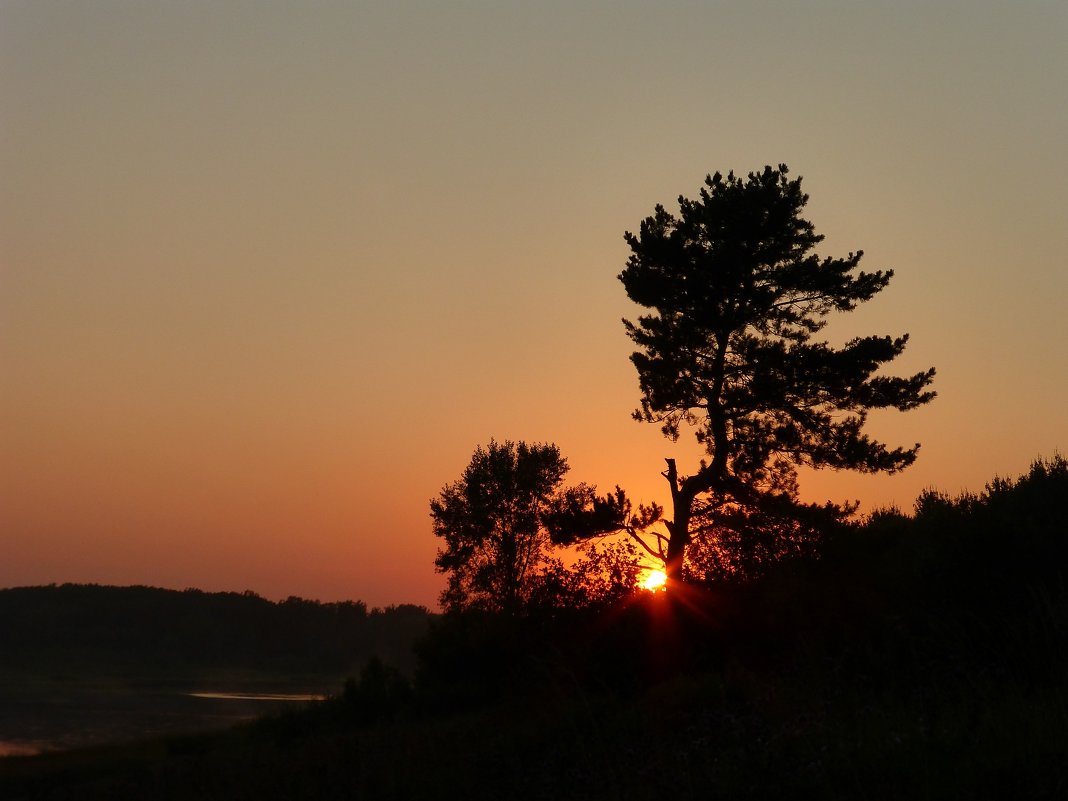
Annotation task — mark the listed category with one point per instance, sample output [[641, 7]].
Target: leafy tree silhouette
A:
[[736, 295], [492, 521]]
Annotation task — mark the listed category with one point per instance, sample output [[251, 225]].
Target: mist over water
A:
[[14, 748], [90, 665], [60, 719]]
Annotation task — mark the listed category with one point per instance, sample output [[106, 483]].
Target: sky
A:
[[270, 272]]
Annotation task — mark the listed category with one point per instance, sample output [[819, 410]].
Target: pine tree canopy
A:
[[737, 296]]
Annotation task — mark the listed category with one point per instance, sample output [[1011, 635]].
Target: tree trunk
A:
[[678, 527], [676, 550]]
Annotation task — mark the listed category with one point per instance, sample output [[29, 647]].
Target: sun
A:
[[655, 581]]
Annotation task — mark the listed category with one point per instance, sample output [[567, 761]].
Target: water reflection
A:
[[15, 748], [258, 696], [44, 718]]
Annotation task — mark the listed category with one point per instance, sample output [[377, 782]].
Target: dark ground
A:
[[919, 657]]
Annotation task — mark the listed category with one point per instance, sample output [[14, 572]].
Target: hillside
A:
[[918, 655]]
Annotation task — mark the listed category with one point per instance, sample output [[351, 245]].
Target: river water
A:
[[35, 722]]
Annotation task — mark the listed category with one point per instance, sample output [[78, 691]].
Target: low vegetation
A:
[[914, 655]]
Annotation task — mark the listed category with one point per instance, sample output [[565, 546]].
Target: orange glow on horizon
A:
[[216, 357]]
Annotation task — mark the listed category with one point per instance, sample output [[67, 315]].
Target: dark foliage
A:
[[920, 655], [604, 573], [492, 522], [139, 628], [736, 294], [745, 540], [500, 522]]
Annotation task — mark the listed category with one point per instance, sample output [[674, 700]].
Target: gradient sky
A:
[[269, 272]]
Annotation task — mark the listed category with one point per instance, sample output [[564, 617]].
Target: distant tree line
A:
[[86, 625]]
